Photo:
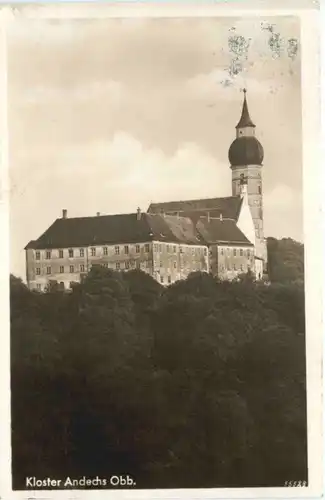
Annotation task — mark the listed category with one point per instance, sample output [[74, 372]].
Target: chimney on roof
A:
[[98, 214], [138, 213], [208, 215], [64, 213], [221, 218]]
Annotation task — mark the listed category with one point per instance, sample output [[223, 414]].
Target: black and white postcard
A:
[[162, 283]]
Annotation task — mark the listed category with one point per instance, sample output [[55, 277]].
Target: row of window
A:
[[72, 269], [189, 265], [161, 264], [93, 251], [61, 285], [118, 265], [162, 278], [126, 249], [169, 279], [82, 268], [236, 252], [158, 247], [118, 251], [233, 267]]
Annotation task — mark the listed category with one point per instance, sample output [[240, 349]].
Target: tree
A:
[[200, 384], [285, 260]]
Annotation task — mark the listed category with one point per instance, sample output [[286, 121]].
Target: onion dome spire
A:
[[245, 149], [245, 119]]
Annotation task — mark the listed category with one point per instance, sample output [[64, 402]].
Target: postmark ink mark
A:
[[238, 47], [275, 40], [277, 43], [292, 48]]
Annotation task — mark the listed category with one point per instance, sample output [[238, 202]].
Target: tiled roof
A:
[[228, 207], [111, 229], [216, 230], [173, 229], [127, 228], [183, 229]]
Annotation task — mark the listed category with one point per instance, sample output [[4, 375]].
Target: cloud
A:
[[218, 83], [120, 174], [145, 173], [112, 91]]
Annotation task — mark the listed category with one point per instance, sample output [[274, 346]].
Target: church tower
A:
[[246, 160]]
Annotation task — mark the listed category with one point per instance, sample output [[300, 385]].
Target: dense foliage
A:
[[285, 260], [201, 384]]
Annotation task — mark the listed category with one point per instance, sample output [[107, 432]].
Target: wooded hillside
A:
[[201, 384], [285, 260]]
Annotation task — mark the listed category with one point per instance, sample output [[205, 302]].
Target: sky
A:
[[108, 115]]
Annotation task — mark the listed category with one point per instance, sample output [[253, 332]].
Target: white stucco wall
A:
[[245, 221]]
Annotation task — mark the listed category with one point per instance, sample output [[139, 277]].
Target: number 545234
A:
[[295, 484]]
